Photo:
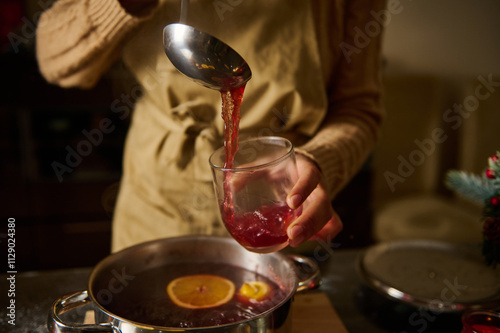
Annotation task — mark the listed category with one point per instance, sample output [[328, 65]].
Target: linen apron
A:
[[166, 189]]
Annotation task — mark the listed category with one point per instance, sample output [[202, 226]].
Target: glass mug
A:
[[252, 194], [481, 322]]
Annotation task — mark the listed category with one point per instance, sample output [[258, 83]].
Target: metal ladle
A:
[[204, 58]]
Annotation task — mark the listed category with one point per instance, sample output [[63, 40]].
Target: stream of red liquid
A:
[[231, 103], [265, 227]]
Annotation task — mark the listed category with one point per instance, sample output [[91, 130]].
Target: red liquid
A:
[[262, 229], [231, 103], [145, 299], [481, 322], [485, 328]]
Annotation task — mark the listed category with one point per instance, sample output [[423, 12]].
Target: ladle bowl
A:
[[204, 58]]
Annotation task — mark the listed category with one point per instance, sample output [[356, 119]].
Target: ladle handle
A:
[[184, 11], [69, 302], [307, 271]]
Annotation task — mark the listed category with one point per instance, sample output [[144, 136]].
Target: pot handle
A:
[[307, 271], [67, 303]]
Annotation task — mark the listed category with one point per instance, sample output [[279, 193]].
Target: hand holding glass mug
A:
[[252, 195]]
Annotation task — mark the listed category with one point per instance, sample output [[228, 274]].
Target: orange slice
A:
[[254, 291], [200, 291]]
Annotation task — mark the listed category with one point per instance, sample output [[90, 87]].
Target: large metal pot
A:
[[109, 278]]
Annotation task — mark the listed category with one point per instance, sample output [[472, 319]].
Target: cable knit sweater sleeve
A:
[[78, 40], [351, 127]]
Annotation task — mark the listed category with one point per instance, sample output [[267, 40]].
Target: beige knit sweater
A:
[[316, 72]]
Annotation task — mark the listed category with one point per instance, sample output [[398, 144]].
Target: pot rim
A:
[[110, 258]]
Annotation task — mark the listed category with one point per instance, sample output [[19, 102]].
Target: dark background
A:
[[434, 52], [63, 216], [61, 221]]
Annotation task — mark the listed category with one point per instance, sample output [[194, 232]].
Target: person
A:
[[316, 81]]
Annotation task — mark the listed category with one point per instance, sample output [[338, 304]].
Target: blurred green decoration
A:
[[483, 189]]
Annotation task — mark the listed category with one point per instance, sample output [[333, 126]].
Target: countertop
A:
[[359, 308]]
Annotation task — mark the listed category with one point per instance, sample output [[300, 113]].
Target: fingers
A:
[[317, 221], [310, 177]]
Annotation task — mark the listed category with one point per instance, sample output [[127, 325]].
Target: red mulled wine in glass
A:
[[252, 192]]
